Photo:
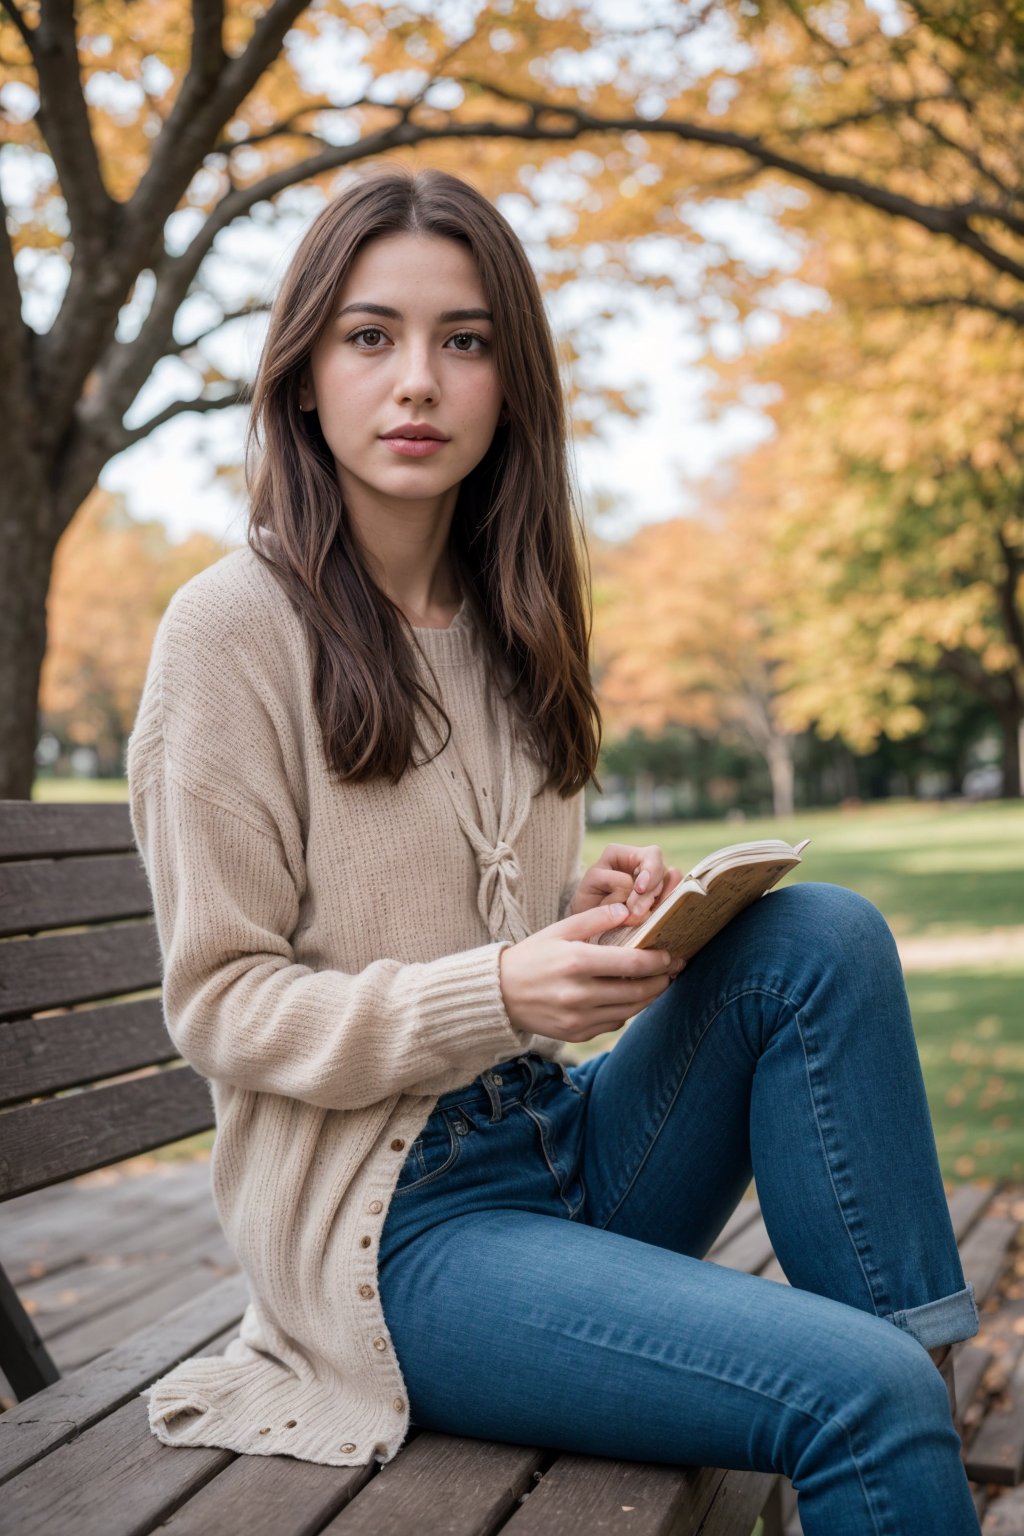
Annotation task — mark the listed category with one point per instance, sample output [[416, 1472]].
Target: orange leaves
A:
[[112, 579]]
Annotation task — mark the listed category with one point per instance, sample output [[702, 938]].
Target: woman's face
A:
[[408, 341]]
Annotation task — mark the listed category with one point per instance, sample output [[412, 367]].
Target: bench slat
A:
[[74, 968], [203, 1326], [39, 1056], [278, 1494], [33, 831], [43, 1143], [114, 1480], [443, 1485], [983, 1252], [61, 893], [997, 1451]]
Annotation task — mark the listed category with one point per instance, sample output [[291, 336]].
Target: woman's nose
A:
[[416, 375]]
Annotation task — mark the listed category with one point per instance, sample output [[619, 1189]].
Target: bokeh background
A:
[[782, 248]]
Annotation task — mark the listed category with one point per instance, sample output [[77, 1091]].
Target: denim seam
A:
[[828, 1163], [662, 1115], [541, 1125]]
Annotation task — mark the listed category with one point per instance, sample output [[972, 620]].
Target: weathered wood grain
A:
[[442, 1485], [42, 1143], [203, 1325], [60, 970], [67, 1050], [62, 893], [29, 830]]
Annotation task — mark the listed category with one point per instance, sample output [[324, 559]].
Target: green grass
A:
[[931, 869]]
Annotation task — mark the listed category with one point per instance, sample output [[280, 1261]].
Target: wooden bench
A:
[[89, 1077]]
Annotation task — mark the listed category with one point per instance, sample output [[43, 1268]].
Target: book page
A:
[[695, 919]]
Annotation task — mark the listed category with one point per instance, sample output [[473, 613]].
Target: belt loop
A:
[[493, 1095]]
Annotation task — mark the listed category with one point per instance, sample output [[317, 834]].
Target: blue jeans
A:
[[542, 1270]]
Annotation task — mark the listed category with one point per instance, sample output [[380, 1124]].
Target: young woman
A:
[[356, 781]]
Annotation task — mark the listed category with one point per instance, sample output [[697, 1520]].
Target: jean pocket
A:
[[434, 1152]]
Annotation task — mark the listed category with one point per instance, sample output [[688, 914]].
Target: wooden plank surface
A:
[[277, 1494], [204, 1325], [32, 831], [59, 970], [66, 1050], [113, 1477], [442, 1485], [583, 1494], [64, 893], [42, 1143]]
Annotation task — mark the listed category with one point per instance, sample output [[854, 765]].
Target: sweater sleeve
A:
[[224, 864]]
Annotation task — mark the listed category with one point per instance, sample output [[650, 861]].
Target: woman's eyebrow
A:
[[396, 314]]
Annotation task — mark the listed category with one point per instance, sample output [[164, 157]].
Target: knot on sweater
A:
[[501, 852], [497, 898]]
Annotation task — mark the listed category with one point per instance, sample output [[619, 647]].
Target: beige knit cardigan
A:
[[330, 965]]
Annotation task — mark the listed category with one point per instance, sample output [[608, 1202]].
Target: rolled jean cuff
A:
[[945, 1321]]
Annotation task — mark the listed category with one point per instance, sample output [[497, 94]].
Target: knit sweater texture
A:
[[330, 966]]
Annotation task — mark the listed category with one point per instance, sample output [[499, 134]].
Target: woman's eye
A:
[[367, 330], [469, 336]]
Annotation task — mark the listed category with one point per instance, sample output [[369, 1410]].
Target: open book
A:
[[709, 896]]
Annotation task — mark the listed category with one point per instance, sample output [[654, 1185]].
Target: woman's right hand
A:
[[558, 984]]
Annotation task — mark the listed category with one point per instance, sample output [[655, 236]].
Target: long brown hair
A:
[[513, 545]]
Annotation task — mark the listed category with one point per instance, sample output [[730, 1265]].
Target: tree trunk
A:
[[1011, 719], [779, 757], [24, 582]]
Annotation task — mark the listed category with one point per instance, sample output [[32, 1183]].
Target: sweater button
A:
[[366, 1290], [265, 1431], [380, 1343], [398, 1405], [346, 1448], [397, 1144], [375, 1207], [364, 1242]]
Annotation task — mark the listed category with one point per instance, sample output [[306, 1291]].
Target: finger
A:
[[611, 960]]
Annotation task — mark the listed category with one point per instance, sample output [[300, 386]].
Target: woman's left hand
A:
[[636, 876]]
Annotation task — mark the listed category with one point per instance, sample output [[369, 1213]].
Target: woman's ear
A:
[[307, 399]]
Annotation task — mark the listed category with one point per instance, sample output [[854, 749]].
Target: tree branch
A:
[[1012, 312], [950, 219], [239, 395], [64, 123], [176, 348], [974, 158], [27, 35], [206, 101]]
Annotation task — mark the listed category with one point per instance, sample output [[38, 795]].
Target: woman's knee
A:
[[892, 1395], [831, 917]]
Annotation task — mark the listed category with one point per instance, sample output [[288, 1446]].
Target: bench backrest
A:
[[79, 966]]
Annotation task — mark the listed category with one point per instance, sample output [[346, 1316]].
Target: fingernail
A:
[[642, 880], [618, 910]]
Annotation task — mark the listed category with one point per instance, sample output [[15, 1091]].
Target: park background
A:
[[782, 248]]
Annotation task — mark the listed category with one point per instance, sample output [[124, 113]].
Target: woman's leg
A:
[[539, 1330], [786, 1050]]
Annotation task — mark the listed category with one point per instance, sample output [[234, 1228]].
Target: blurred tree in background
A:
[[885, 139]]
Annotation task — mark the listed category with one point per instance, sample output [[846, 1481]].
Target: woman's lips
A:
[[413, 447]]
